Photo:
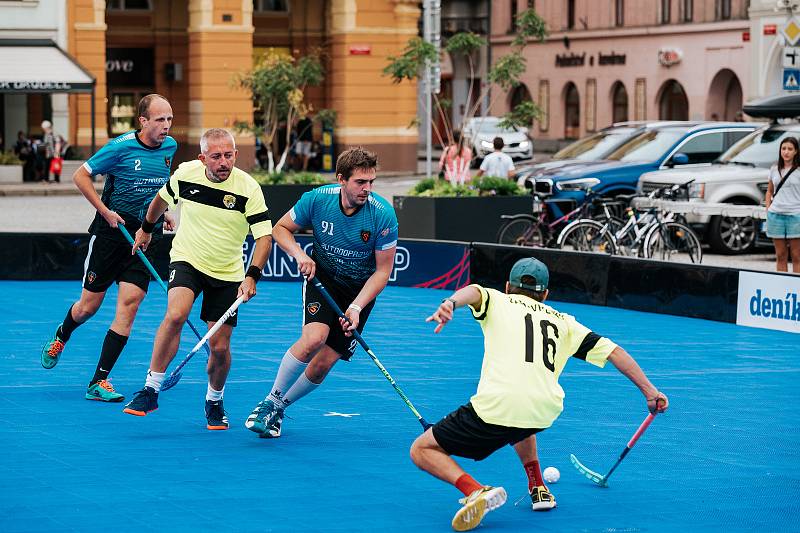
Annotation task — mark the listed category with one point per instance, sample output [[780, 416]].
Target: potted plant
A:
[[436, 209], [10, 168]]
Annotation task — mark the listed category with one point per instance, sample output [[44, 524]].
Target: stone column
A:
[[220, 46], [86, 42], [372, 111]]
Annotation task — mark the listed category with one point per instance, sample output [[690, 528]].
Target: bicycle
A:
[[652, 235], [536, 230]]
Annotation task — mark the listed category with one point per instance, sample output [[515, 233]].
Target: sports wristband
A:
[[253, 272], [451, 300], [354, 306], [148, 227]]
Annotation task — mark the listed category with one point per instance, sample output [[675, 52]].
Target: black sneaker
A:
[[215, 415], [143, 402]]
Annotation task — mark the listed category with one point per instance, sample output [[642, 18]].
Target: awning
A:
[[39, 66]]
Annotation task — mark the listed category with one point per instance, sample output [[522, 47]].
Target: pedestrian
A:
[[136, 164], [455, 161], [24, 151], [355, 237], [497, 163], [52, 153], [783, 206], [527, 344], [305, 136], [220, 205]]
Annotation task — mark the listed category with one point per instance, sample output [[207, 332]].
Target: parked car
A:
[[481, 131], [740, 176], [676, 144], [593, 147]]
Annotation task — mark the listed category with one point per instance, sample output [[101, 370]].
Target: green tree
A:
[[277, 84], [505, 72]]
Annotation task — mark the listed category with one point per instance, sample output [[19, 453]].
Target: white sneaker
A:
[[476, 505]]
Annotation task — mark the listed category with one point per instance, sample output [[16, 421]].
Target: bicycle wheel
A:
[[673, 241], [521, 232], [587, 236]]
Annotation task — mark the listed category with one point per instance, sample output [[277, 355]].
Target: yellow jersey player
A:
[[220, 204], [527, 344]]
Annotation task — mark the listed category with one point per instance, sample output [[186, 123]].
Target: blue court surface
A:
[[723, 458]]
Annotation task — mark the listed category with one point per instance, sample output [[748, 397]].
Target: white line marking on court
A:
[[344, 415]]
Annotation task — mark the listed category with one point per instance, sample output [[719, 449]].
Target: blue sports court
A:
[[723, 458]]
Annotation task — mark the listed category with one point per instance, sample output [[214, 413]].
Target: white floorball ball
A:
[[551, 474]]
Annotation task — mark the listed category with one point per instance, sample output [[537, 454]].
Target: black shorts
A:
[[316, 309], [464, 434], [110, 260], [218, 295]]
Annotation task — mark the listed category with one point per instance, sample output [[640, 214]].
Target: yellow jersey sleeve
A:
[[587, 345], [257, 213], [479, 313], [169, 192]]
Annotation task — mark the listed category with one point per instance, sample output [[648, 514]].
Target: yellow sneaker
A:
[[476, 505], [542, 499]]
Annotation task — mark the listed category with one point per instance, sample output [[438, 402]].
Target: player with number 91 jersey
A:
[[344, 246], [134, 174]]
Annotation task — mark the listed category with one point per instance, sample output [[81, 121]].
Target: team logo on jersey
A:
[[365, 235], [90, 277], [385, 232], [167, 161], [229, 200], [313, 307]]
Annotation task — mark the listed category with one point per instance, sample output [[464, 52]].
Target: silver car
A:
[[481, 131], [740, 176]]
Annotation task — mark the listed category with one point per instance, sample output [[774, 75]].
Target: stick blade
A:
[[171, 381], [593, 476]]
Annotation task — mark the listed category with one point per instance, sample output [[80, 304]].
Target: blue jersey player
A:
[[355, 237], [136, 165]]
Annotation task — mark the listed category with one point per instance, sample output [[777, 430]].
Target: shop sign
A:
[[610, 59], [770, 29], [360, 50], [35, 86], [570, 60], [130, 67], [669, 57]]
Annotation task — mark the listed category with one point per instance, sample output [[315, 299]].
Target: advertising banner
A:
[[417, 263], [770, 301]]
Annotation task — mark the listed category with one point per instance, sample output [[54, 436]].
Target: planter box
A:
[[469, 219], [281, 198], [10, 173]]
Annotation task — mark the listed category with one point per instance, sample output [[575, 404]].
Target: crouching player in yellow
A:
[[527, 344]]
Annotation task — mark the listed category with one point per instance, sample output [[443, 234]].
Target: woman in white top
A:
[[783, 206]]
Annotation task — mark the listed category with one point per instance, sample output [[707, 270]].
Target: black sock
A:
[[112, 348], [64, 331]]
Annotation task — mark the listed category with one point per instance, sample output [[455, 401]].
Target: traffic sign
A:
[[791, 57], [791, 32], [791, 79]]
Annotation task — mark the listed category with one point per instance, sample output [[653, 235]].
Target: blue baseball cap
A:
[[529, 266]]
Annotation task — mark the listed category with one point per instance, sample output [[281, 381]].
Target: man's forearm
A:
[[261, 252], [285, 239], [83, 181], [630, 369], [155, 209], [372, 288]]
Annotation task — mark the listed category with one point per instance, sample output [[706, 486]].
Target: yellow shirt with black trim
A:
[[215, 219], [526, 346]]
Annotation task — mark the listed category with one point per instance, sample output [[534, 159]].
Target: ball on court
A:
[[551, 474]]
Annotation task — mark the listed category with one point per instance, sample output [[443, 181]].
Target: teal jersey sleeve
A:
[[301, 212], [387, 227]]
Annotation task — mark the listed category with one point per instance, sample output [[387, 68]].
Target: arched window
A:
[[572, 112], [619, 103], [518, 95], [673, 104]]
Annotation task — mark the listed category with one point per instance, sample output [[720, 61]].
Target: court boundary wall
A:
[[697, 291]]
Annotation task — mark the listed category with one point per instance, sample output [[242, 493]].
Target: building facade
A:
[[614, 60], [767, 20], [190, 51]]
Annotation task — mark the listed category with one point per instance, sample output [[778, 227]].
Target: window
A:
[[128, 4], [666, 11], [703, 148], [619, 19], [572, 112], [688, 10], [723, 9], [619, 111], [570, 14], [512, 28], [270, 5]]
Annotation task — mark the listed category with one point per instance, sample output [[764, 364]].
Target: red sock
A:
[[467, 485], [534, 474]]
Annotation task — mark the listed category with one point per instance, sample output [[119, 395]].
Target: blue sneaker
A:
[[215, 415], [51, 351], [266, 420], [143, 402]]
